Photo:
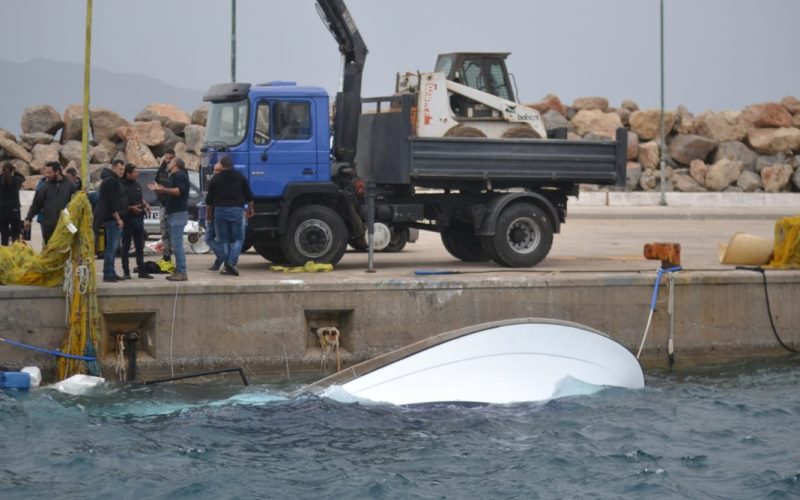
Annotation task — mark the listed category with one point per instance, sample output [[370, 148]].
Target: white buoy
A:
[[35, 373], [77, 385]]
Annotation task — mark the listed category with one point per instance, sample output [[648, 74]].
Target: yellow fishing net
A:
[[68, 260], [786, 252]]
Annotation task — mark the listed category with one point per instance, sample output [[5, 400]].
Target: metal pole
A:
[[87, 67], [371, 227], [663, 201], [233, 40]]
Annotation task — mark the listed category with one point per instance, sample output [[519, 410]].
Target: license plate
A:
[[153, 214]]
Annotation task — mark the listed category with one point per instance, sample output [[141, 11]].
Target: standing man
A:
[[50, 200], [162, 179], [177, 193], [133, 220], [228, 192], [72, 174], [211, 234], [110, 209], [10, 184]]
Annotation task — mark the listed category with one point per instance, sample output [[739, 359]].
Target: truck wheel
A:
[[523, 131], [464, 131], [398, 241], [523, 236], [460, 241], [359, 243], [314, 232], [272, 251]]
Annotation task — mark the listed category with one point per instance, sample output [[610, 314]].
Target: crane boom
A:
[[354, 51]]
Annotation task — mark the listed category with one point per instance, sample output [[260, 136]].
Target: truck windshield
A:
[[227, 123]]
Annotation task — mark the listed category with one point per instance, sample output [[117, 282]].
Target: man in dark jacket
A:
[[10, 184], [228, 192], [162, 179], [133, 221], [50, 200], [113, 204], [176, 208]]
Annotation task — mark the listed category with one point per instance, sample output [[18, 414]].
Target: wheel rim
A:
[[523, 235], [313, 238]]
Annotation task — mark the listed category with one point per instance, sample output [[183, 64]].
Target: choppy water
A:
[[730, 432]]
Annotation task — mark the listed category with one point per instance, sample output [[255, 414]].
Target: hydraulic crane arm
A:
[[354, 51]]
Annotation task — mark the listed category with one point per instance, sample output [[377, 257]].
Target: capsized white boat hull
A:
[[503, 362]]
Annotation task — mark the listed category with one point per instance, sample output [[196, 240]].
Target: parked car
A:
[[151, 225]]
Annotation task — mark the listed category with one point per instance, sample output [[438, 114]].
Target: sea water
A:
[[727, 432]]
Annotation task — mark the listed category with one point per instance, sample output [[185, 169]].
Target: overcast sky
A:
[[720, 54]]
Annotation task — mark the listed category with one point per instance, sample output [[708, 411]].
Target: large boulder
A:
[[587, 103], [648, 181], [31, 181], [103, 153], [139, 154], [767, 115], [200, 115], [31, 139], [776, 178], [148, 133], [44, 119], [73, 123], [685, 148], [5, 134], [686, 184], [596, 122], [649, 155], [633, 172], [722, 174], [629, 105], [553, 119], [633, 146], [646, 123], [15, 150], [770, 160], [736, 150], [684, 121], [170, 141], [105, 123], [72, 151], [774, 140], [749, 181], [170, 116], [192, 161], [698, 170], [44, 153], [550, 102], [796, 121], [195, 136], [624, 115], [721, 127], [796, 178], [792, 104]]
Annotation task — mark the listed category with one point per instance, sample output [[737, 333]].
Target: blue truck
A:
[[313, 167]]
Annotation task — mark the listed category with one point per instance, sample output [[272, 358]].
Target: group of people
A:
[[120, 210]]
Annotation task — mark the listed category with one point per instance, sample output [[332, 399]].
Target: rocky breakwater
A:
[[756, 149], [48, 135]]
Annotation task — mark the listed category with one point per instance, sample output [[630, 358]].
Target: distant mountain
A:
[[59, 84]]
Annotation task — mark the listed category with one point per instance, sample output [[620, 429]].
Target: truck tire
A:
[[398, 241], [523, 131], [523, 236], [271, 251], [314, 232], [460, 241], [359, 243], [464, 131]]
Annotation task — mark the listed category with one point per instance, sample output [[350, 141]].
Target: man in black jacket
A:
[[113, 204], [228, 192], [50, 200], [133, 221], [10, 184]]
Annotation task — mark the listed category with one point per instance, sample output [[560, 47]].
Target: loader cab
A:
[[484, 71]]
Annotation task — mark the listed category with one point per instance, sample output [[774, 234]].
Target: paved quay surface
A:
[[594, 239]]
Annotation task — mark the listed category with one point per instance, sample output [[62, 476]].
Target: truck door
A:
[[282, 148]]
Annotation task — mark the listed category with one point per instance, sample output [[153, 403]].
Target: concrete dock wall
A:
[[268, 328]]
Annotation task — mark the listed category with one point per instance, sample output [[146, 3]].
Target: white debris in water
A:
[[292, 282]]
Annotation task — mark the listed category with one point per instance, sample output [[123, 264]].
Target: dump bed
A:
[[389, 153]]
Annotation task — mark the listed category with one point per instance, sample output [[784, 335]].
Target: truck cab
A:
[[277, 134]]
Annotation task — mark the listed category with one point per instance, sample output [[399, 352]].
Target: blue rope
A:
[[660, 273], [48, 351]]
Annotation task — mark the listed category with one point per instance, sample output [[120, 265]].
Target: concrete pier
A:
[[595, 275]]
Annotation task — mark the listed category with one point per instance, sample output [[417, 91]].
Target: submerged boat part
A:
[[503, 362]]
